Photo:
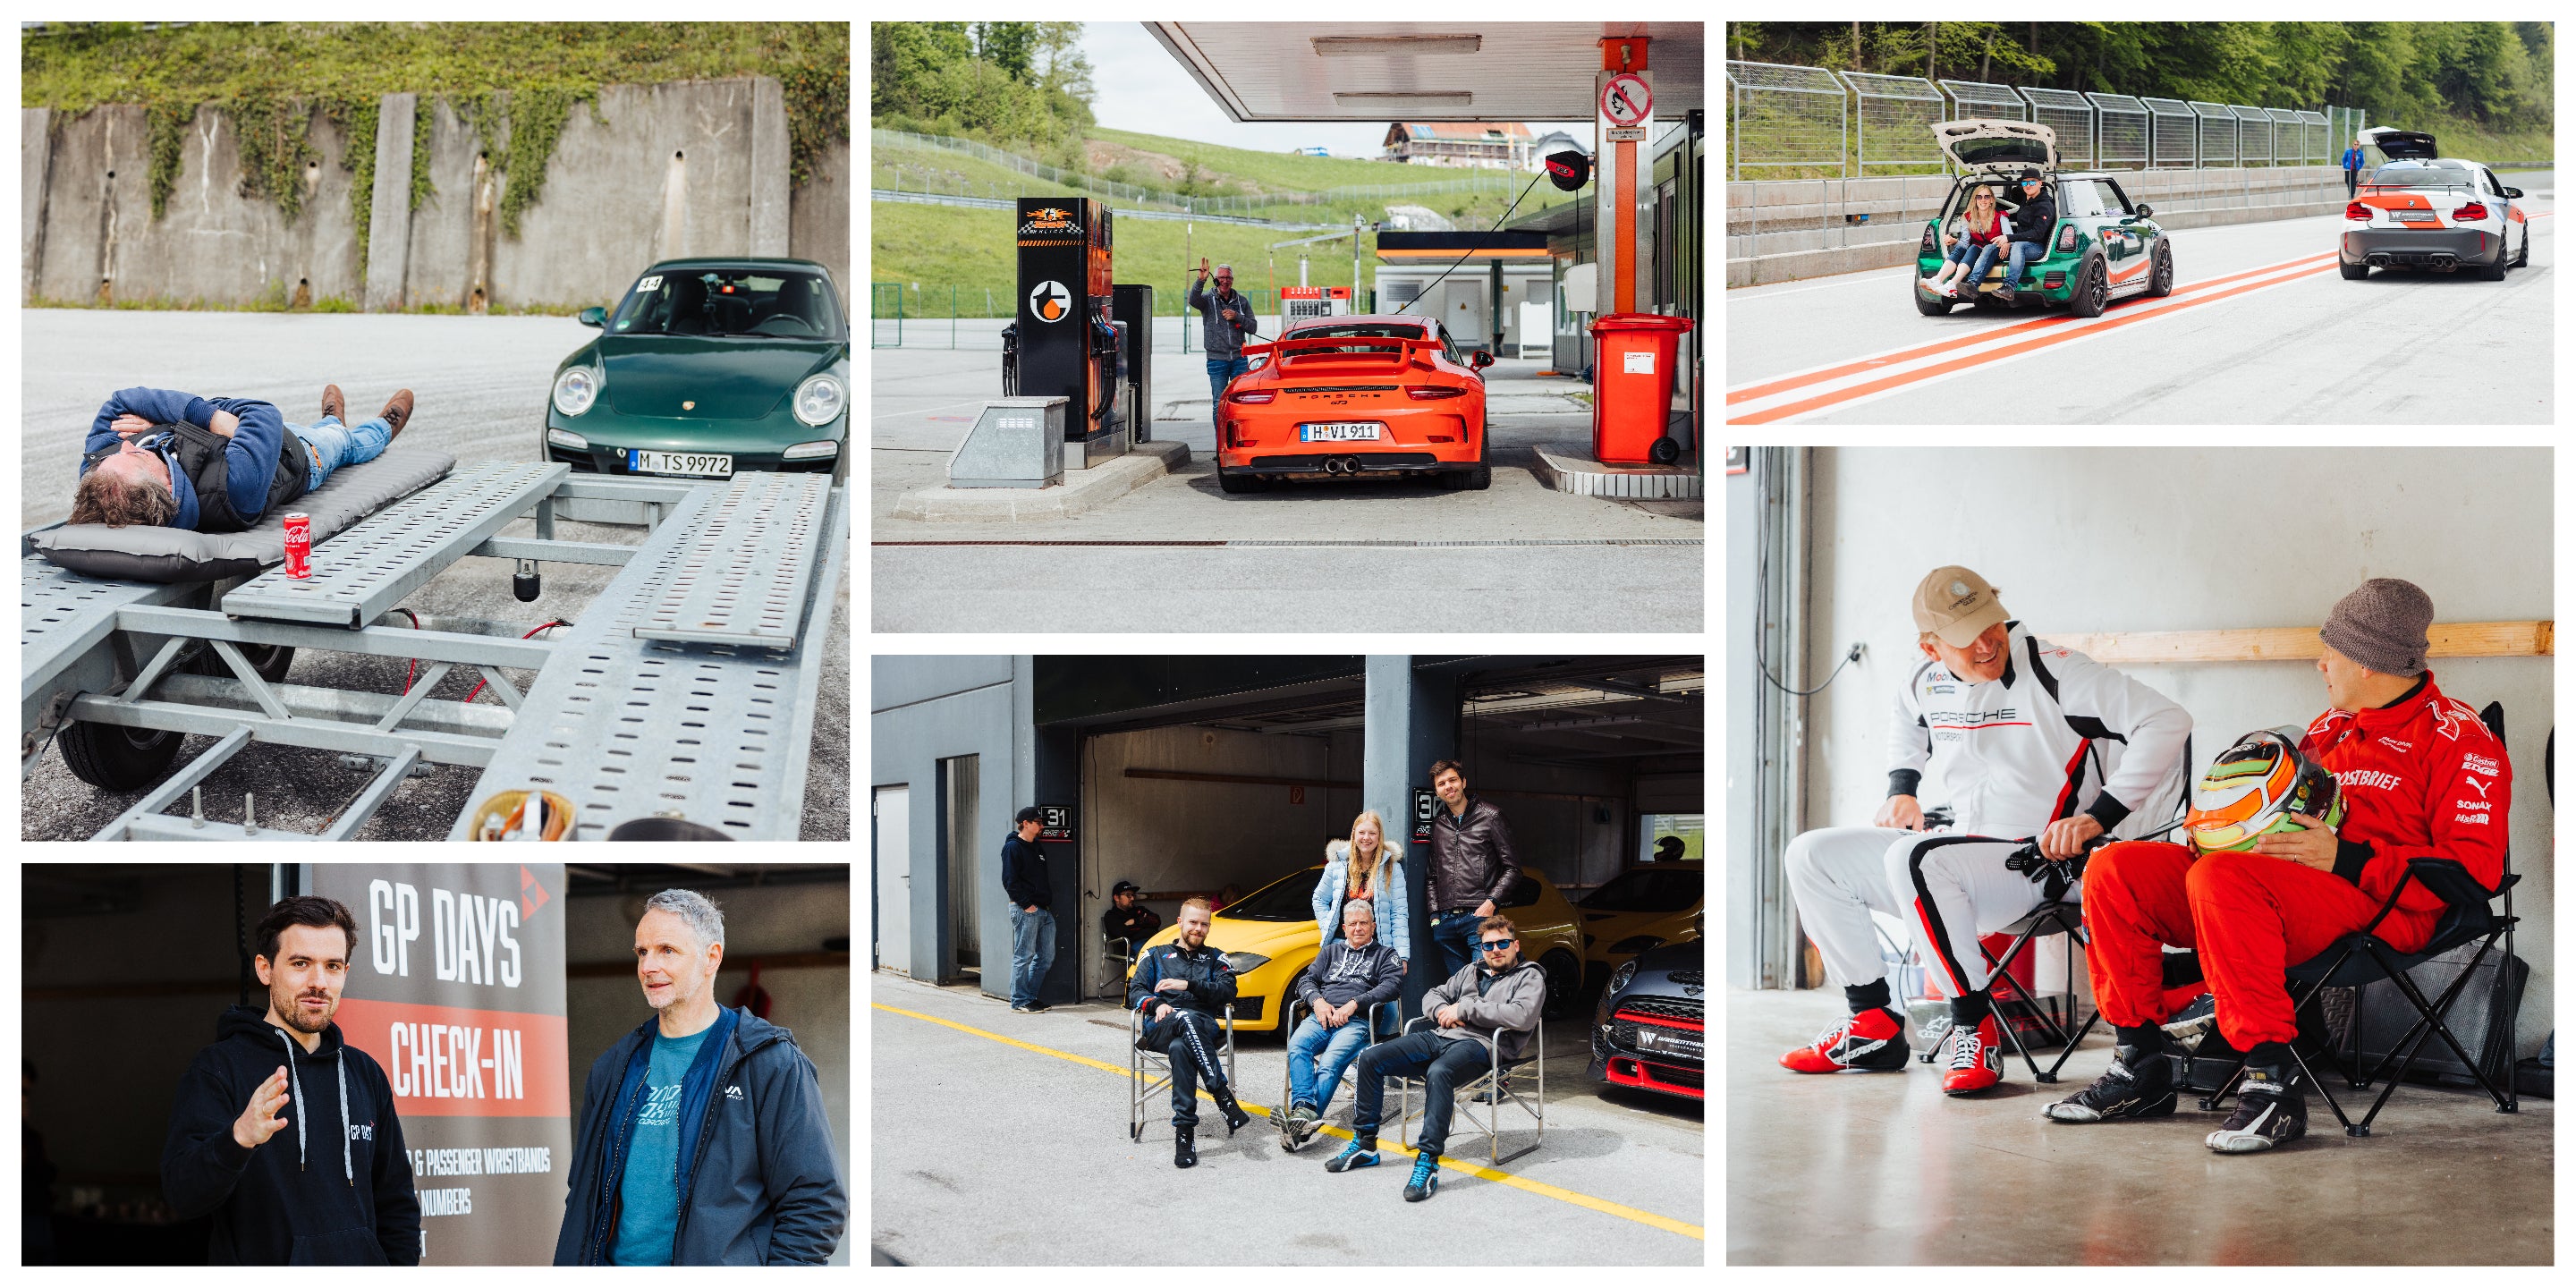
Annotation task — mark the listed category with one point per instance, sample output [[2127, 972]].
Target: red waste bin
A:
[[1632, 387]]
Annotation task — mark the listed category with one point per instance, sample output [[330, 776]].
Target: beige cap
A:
[[1957, 605]]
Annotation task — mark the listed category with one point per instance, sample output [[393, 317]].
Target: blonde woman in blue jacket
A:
[[1358, 868]]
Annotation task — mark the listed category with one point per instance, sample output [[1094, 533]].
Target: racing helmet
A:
[[2254, 787]]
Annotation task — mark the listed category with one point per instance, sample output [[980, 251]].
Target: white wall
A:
[[2087, 540]]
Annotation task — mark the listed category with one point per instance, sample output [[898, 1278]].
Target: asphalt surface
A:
[[2260, 329], [481, 384], [972, 1133], [1548, 561]]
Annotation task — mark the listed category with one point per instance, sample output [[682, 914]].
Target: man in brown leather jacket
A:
[[1472, 867]]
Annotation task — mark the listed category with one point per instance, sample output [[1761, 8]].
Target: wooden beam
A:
[[2298, 643]]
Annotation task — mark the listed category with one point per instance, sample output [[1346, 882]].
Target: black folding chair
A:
[[1379, 1028], [2056, 916], [2363, 957], [1465, 1109]]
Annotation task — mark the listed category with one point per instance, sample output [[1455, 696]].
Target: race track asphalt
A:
[[2261, 329], [481, 383]]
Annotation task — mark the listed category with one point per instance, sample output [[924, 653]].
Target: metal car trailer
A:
[[681, 699]]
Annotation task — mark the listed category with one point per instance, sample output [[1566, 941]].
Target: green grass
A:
[[1279, 171], [2474, 142]]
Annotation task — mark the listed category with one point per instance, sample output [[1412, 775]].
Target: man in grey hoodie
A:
[[1491, 1002], [1228, 318], [1349, 977]]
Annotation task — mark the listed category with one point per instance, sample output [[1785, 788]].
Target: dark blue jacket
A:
[[332, 1188], [251, 455], [1024, 873], [762, 1187]]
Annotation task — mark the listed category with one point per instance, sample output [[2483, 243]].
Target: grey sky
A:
[[1144, 89]]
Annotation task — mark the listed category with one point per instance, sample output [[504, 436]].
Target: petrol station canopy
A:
[[1463, 70]]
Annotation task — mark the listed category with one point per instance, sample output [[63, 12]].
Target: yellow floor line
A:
[[1474, 1169]]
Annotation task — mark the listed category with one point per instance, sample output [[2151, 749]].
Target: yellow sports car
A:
[[1641, 908], [1269, 935]]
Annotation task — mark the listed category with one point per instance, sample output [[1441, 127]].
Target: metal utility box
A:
[[1016, 442], [1133, 304], [1067, 347]]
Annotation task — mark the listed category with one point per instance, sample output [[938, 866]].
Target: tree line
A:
[[2499, 74], [1002, 82]]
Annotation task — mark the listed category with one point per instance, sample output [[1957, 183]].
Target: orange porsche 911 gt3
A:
[[1375, 394]]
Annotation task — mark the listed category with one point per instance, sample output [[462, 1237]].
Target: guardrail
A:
[[1123, 212], [1473, 181], [1819, 123]]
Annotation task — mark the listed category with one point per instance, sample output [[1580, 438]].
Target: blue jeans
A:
[[1222, 371], [334, 445], [1317, 1056], [2024, 254], [1032, 952], [1455, 934], [1977, 258], [1441, 1063]]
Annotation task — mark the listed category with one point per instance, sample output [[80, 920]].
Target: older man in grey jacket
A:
[[1228, 318], [1349, 977], [1491, 1003]]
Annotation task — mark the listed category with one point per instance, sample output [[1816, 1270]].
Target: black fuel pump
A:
[[1067, 344]]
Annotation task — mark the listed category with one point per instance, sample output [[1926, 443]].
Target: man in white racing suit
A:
[[2035, 741]]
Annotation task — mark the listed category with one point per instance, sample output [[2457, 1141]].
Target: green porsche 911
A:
[[708, 367], [2100, 247]]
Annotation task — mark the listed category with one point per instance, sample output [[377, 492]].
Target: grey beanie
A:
[[2381, 625]]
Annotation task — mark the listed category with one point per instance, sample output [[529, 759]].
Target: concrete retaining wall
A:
[[683, 168], [1787, 230]]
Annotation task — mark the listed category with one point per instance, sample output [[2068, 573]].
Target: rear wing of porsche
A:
[[1396, 352]]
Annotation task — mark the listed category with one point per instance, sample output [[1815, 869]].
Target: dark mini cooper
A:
[[1649, 1032], [2102, 247], [709, 367]]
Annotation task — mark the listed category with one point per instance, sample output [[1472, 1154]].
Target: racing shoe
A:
[[1185, 1147], [335, 404], [1361, 1152], [1976, 1057], [2193, 1023], [1235, 1117], [2137, 1085], [2269, 1111], [1873, 1039], [1426, 1177], [397, 412]]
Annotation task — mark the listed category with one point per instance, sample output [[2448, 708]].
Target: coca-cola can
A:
[[299, 545]]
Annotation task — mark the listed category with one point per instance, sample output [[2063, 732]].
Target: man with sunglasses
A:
[[2420, 777], [1491, 1002], [1228, 317]]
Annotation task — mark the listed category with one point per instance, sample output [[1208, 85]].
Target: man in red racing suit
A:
[[2420, 776]]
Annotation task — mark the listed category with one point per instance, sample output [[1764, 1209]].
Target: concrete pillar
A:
[[769, 186], [35, 168], [1409, 719], [389, 206], [1055, 754]]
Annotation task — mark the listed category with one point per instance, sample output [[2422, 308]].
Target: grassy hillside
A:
[[1274, 171]]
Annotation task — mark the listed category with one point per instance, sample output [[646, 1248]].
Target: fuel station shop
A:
[[1227, 777]]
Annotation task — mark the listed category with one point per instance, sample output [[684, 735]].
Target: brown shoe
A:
[[397, 412], [334, 405]]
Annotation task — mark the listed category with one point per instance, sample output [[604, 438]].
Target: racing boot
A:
[[1976, 1054], [1873, 1039], [2139, 1084], [335, 404], [2269, 1111], [397, 412], [1361, 1152], [2193, 1023], [1185, 1147], [1235, 1117], [1426, 1177]]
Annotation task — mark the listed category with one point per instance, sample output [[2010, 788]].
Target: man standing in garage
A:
[[1024, 879], [2420, 776], [2035, 741], [1472, 868]]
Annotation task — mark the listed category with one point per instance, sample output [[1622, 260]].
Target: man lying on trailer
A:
[[162, 458]]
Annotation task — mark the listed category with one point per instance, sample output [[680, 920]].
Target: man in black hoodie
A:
[[2034, 222], [341, 1193]]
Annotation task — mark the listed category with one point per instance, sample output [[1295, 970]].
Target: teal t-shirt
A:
[[650, 1191]]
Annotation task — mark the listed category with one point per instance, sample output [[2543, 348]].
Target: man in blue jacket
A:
[[2351, 169], [162, 458], [703, 1140]]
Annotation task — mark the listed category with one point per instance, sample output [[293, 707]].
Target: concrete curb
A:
[[1569, 467], [1082, 490]]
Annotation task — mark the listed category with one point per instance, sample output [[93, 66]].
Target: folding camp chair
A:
[[2363, 957], [2053, 917], [1490, 1126], [1140, 1063], [1378, 1018]]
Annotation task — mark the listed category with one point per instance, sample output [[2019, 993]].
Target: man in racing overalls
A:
[[2034, 741], [2420, 776], [1182, 988]]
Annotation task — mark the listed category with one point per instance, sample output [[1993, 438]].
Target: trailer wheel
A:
[[115, 758], [270, 660]]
